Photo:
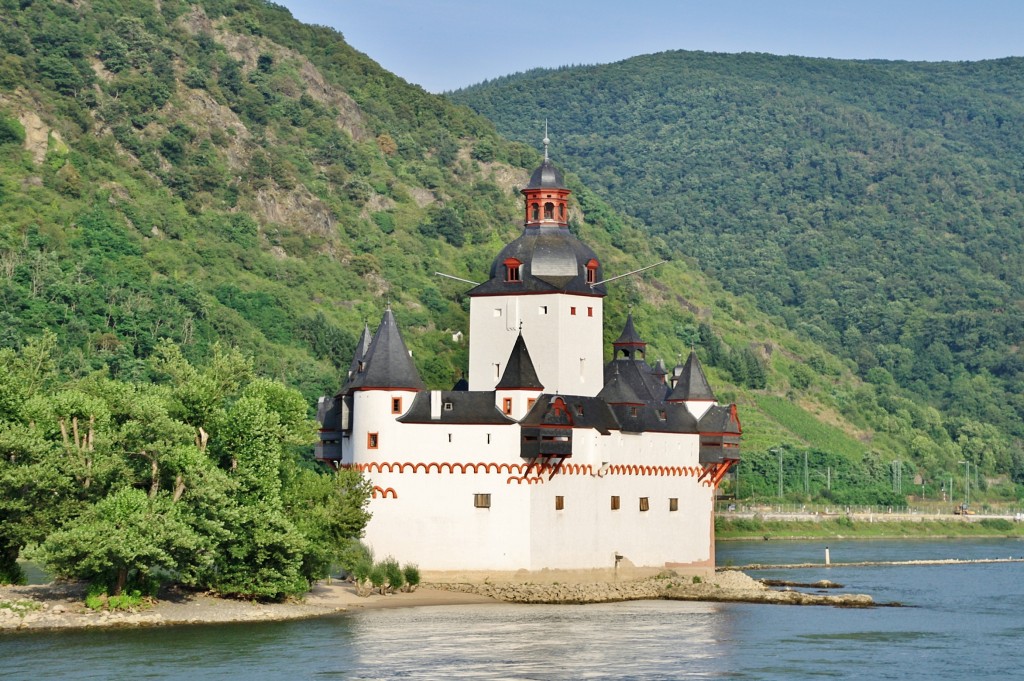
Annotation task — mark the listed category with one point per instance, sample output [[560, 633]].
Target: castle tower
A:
[[546, 286], [382, 388]]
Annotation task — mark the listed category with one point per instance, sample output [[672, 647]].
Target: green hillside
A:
[[872, 207], [182, 174]]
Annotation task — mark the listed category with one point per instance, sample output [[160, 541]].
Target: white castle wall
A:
[[558, 340], [424, 510]]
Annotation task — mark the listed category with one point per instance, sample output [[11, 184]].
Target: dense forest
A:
[[872, 207], [202, 203]]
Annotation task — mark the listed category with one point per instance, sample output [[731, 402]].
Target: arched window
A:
[[549, 211], [536, 211]]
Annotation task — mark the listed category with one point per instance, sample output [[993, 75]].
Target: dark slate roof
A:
[[638, 375], [553, 260], [581, 412], [692, 384], [519, 371], [656, 417], [617, 389], [327, 413], [629, 336], [387, 363], [467, 407], [546, 176], [362, 346], [721, 419]]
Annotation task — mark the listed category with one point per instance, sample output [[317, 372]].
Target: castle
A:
[[549, 458]]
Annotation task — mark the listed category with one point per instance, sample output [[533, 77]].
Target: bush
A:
[[412, 577], [393, 574], [998, 524], [378, 577], [11, 131]]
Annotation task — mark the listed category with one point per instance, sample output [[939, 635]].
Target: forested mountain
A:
[[873, 207], [187, 184]]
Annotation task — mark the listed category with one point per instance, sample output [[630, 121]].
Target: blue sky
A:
[[446, 44]]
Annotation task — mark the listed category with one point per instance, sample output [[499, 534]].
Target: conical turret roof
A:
[[519, 371], [387, 364], [692, 384], [629, 335]]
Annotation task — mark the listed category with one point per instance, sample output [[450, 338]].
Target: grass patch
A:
[[21, 608], [806, 427], [747, 528], [99, 600]]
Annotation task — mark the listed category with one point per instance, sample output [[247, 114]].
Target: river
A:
[[958, 622]]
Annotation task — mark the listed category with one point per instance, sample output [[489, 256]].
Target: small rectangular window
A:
[[506, 405], [396, 405], [530, 401], [482, 500], [449, 437], [372, 440], [632, 411], [497, 371], [543, 309], [559, 503], [673, 504], [572, 311], [448, 406], [579, 410], [488, 438], [590, 312], [497, 312], [645, 504], [615, 503]]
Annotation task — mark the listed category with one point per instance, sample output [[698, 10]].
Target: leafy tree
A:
[[123, 541]]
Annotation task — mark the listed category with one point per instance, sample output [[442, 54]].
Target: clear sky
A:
[[447, 44]]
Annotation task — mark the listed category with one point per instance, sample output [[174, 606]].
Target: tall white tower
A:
[[545, 285]]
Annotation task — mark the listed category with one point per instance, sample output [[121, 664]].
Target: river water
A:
[[959, 622]]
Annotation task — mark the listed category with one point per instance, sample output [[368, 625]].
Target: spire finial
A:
[[520, 327], [546, 140]]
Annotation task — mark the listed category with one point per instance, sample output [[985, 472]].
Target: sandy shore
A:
[[61, 606]]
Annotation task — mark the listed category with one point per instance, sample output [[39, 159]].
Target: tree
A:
[[123, 541], [329, 510]]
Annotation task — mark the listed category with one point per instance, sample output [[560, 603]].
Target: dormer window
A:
[[549, 211], [592, 271], [512, 270]]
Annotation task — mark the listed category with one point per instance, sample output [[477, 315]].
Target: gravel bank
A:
[[61, 606], [729, 586]]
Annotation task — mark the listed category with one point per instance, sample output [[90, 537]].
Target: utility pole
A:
[[779, 452], [807, 480], [967, 483]]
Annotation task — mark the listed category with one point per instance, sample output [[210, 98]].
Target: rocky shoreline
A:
[[728, 586], [61, 605]]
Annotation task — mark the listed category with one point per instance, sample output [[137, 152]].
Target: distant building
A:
[[548, 458]]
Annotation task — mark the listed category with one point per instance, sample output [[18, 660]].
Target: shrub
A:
[[378, 577], [412, 577], [998, 524], [393, 574]]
